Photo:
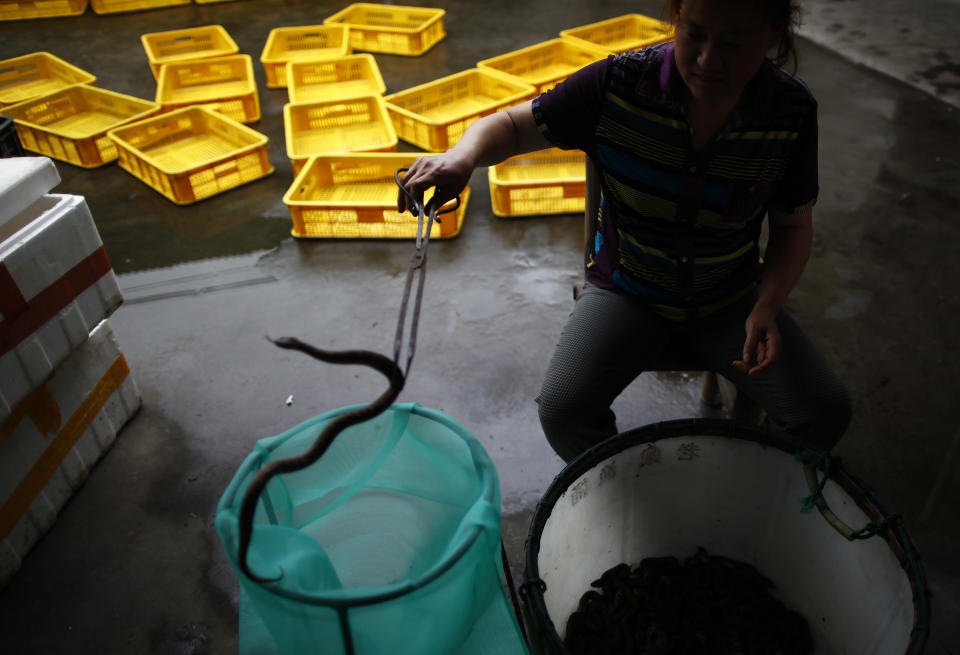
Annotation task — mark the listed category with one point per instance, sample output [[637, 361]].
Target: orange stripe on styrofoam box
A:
[[16, 505], [39, 406]]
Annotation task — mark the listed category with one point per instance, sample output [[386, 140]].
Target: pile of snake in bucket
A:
[[705, 604]]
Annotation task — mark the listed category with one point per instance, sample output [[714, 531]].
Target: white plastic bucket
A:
[[737, 491]]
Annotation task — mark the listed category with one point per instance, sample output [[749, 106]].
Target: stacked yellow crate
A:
[[354, 196], [28, 9], [205, 90], [336, 103], [23, 9], [198, 146], [224, 84], [621, 33], [337, 121], [117, 6], [351, 124], [391, 29], [202, 42], [329, 79], [551, 181], [434, 116], [59, 112], [301, 43], [192, 153], [30, 76], [71, 124], [545, 64]]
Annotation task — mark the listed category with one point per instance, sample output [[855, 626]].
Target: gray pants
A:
[[611, 338]]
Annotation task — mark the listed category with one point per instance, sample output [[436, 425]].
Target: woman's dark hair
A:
[[781, 15]]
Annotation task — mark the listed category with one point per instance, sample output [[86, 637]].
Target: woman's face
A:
[[720, 45]]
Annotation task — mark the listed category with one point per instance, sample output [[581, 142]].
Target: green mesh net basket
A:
[[389, 543]]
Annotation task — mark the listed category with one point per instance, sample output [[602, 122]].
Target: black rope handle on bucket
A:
[[389, 368], [825, 461]]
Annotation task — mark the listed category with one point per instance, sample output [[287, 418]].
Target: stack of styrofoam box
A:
[[65, 387]]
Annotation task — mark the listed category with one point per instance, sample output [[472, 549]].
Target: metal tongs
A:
[[389, 368], [417, 264]]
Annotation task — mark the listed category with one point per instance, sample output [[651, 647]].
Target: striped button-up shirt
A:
[[677, 227]]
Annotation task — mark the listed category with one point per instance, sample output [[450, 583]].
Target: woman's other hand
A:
[[791, 238], [762, 346]]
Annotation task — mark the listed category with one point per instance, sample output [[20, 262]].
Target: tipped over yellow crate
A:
[[37, 74], [434, 115], [354, 196], [622, 34], [72, 124], [224, 84], [343, 77], [303, 42], [203, 42], [192, 153], [18, 10], [328, 126], [117, 6], [391, 29], [545, 64], [551, 181]]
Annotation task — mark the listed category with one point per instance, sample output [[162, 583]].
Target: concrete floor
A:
[[133, 564], [910, 41]]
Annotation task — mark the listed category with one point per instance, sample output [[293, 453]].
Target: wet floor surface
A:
[[133, 564], [911, 42]]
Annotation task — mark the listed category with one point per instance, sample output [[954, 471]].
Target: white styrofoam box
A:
[[23, 181], [56, 284], [54, 437]]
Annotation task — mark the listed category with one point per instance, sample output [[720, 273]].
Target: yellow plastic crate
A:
[[37, 74], [225, 84], [204, 42], [116, 6], [391, 29], [551, 181], [305, 42], [352, 196], [72, 124], [192, 153], [358, 124], [623, 33], [16, 10], [343, 77], [545, 64], [433, 116]]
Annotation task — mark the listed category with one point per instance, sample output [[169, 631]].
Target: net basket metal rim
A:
[[482, 463]]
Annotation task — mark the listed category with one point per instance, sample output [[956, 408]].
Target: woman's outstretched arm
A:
[[486, 142]]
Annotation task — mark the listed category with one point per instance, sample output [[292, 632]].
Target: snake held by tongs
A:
[[390, 368]]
